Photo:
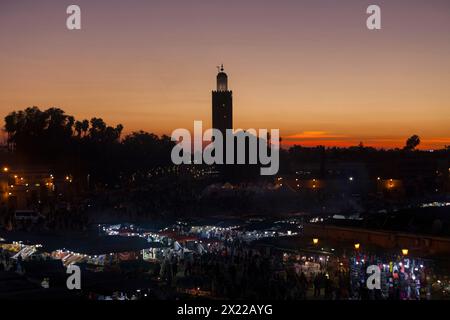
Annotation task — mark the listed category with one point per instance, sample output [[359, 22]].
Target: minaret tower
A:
[[222, 103]]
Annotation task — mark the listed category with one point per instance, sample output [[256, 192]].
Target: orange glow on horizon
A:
[[322, 138], [392, 144]]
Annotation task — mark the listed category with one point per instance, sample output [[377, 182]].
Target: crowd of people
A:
[[8, 264], [238, 271]]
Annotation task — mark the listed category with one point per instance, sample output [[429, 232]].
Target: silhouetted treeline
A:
[[57, 140], [381, 162]]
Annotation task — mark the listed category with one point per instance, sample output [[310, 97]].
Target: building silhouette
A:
[[222, 119], [222, 104]]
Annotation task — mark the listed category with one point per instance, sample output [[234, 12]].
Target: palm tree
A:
[[85, 126], [412, 142], [78, 128]]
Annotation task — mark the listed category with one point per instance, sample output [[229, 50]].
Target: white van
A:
[[27, 215]]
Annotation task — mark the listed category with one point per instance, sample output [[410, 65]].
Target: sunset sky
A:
[[310, 68]]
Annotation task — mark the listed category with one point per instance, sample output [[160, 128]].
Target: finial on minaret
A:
[[222, 79]]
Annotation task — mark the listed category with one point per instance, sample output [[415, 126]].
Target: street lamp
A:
[[405, 252], [357, 245], [315, 241]]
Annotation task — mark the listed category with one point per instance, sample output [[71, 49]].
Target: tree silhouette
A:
[[412, 142], [78, 128], [55, 139]]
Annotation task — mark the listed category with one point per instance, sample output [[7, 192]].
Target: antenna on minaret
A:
[[221, 68]]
